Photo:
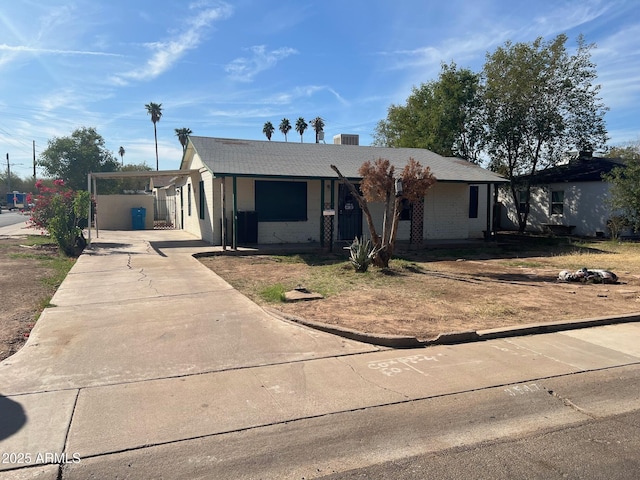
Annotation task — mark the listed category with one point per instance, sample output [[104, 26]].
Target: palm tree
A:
[[285, 127], [183, 136], [155, 110], [301, 126], [121, 153], [268, 130], [318, 125]]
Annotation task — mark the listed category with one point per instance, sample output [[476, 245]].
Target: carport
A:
[[92, 186]]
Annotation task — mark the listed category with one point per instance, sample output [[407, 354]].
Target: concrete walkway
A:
[[146, 348]]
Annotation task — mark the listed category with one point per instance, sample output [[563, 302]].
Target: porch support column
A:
[[223, 229], [90, 209], [322, 221], [212, 214], [95, 192], [235, 213], [489, 231], [496, 211]]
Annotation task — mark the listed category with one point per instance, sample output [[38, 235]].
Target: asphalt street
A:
[[12, 218]]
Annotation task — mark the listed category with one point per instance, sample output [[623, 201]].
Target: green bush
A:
[[59, 210]]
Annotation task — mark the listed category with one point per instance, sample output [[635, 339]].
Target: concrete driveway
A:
[[149, 356]]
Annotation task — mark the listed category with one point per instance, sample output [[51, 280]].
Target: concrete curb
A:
[[452, 338], [393, 341]]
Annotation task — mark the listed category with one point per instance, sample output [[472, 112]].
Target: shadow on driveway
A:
[[12, 418]]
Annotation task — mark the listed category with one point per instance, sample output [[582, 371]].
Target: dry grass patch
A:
[[428, 292]]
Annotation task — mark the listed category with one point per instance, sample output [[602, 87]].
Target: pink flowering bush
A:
[[59, 210]]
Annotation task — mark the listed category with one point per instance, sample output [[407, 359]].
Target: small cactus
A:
[[362, 254]]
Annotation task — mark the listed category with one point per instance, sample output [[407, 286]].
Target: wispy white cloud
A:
[[474, 45], [244, 69], [36, 50], [307, 91], [167, 53]]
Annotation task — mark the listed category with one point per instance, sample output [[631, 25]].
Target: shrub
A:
[[616, 224], [362, 254], [59, 210]]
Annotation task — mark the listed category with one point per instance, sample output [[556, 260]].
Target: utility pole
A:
[[34, 160], [8, 174]]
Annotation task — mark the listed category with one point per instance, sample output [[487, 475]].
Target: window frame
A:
[[201, 199], [188, 199], [556, 206], [474, 201], [522, 203]]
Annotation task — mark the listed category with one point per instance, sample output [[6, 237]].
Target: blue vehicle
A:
[[16, 200]]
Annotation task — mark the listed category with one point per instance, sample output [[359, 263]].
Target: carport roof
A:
[[254, 158], [145, 174]]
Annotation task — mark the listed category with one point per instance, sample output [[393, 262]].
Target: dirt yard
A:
[[31, 270], [438, 291]]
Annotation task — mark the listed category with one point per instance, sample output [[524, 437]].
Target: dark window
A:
[[189, 199], [473, 201], [405, 213], [522, 202], [557, 202], [201, 201], [281, 201]]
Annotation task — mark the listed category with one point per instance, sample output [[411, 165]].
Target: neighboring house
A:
[[567, 198], [286, 192]]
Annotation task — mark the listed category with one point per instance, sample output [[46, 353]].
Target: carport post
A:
[[89, 212], [234, 233], [95, 192], [223, 229]]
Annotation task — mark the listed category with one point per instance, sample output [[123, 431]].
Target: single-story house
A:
[[570, 198], [248, 191]]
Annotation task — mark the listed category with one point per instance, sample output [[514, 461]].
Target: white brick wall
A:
[[446, 212]]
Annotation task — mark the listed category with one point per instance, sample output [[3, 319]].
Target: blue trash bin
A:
[[138, 216]]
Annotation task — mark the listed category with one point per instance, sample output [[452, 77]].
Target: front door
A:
[[349, 215]]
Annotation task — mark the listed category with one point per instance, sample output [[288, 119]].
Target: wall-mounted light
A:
[[398, 187]]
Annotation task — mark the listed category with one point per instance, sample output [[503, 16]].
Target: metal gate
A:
[[349, 215], [164, 213]]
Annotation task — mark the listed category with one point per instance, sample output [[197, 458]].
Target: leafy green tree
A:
[[183, 136], [301, 126], [268, 130], [626, 151], [441, 116], [624, 195], [155, 110], [318, 125], [72, 158], [538, 103], [285, 127], [126, 185]]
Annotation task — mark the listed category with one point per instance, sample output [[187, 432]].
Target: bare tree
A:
[[379, 184]]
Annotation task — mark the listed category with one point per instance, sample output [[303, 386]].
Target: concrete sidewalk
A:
[[146, 348]]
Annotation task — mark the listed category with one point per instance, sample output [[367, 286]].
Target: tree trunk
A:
[[375, 238], [155, 135]]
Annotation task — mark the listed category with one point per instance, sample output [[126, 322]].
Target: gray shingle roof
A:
[[578, 170], [310, 160]]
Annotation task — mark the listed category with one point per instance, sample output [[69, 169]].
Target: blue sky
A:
[[224, 69]]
